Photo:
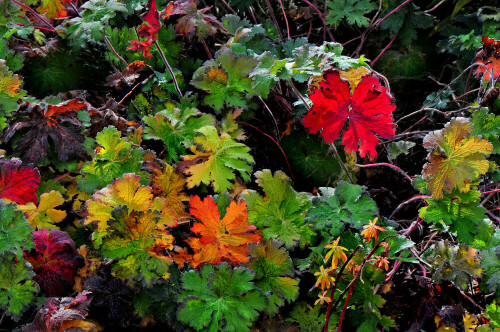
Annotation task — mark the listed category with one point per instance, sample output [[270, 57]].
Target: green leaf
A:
[[226, 79], [220, 298], [486, 125], [215, 160], [395, 149], [405, 21], [491, 264], [91, 23], [310, 158], [268, 72], [492, 312], [10, 92], [310, 319], [457, 264], [351, 11], [15, 232], [17, 290], [273, 270], [281, 212], [347, 203], [113, 157], [176, 128], [461, 212]]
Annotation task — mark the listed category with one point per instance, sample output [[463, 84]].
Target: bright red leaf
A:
[[369, 111], [55, 261], [148, 30], [18, 182], [225, 239], [489, 56]]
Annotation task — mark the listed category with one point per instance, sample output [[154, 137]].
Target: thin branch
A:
[[344, 308], [169, 69], [322, 19], [44, 20], [377, 24], [286, 19], [406, 202], [385, 49], [114, 51], [388, 165], [229, 7], [271, 12], [275, 142], [344, 167]]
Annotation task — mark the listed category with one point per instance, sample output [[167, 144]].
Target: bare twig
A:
[[169, 69], [415, 198], [388, 165], [286, 19], [322, 19]]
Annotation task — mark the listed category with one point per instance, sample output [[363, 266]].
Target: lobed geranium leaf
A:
[[351, 11], [55, 261], [220, 239], [169, 184], [457, 264], [18, 182], [215, 160], [176, 128], [456, 158], [131, 228], [220, 298], [461, 212], [346, 203], [46, 214], [10, 92], [56, 123], [490, 262], [113, 157], [15, 232], [273, 274], [226, 79], [91, 22], [194, 21], [17, 290], [63, 314], [369, 111], [280, 213], [53, 8]]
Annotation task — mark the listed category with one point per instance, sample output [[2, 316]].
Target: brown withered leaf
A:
[[56, 125], [127, 77]]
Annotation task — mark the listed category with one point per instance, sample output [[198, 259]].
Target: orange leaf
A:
[[53, 8], [225, 239]]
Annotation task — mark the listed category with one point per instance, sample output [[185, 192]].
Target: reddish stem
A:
[[322, 19], [344, 308], [275, 142], [388, 165], [408, 201], [385, 49], [286, 19], [36, 27], [490, 192], [35, 14], [392, 12]]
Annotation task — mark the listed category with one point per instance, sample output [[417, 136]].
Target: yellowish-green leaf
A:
[[456, 158], [215, 159], [46, 214]]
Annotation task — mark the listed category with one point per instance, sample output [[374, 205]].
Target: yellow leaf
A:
[[354, 76], [45, 215], [456, 158]]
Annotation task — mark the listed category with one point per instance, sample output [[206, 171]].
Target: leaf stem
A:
[[406, 202], [286, 19], [385, 48], [344, 308], [41, 18], [388, 165], [334, 288], [344, 167], [169, 69], [322, 19], [271, 12], [114, 51]]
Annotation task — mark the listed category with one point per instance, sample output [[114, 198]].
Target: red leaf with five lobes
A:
[[225, 239], [489, 56], [148, 31], [369, 111], [18, 182], [55, 261]]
